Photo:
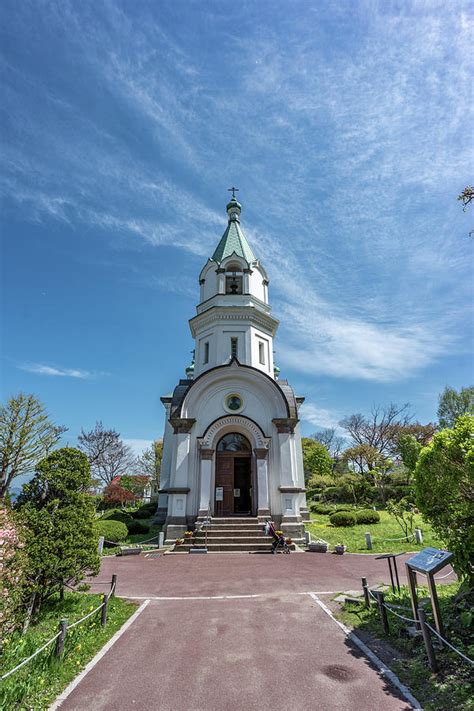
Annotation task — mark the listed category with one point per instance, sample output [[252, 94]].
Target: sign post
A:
[[429, 561]]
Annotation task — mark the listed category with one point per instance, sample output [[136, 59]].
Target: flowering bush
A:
[[13, 562]]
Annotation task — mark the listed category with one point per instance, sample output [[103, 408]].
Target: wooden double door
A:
[[233, 493]]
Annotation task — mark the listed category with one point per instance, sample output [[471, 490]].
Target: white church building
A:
[[232, 443]]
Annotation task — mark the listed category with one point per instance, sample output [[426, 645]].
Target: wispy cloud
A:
[[138, 446], [320, 417], [349, 138], [51, 370]]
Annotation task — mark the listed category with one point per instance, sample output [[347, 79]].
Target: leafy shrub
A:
[[114, 531], [343, 518], [137, 527], [367, 516], [321, 508], [116, 515], [142, 513]]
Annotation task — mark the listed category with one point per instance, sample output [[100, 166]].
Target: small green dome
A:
[[190, 370]]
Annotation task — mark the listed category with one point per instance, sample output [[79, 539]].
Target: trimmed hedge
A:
[[367, 516], [116, 515], [137, 527], [115, 531], [343, 518], [142, 513], [321, 508]]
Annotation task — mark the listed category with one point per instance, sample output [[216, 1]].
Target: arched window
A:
[[234, 442], [233, 279]]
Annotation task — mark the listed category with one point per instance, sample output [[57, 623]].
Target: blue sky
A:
[[347, 128]]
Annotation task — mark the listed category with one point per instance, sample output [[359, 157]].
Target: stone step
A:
[[230, 547], [233, 527], [221, 532], [237, 520], [218, 540]]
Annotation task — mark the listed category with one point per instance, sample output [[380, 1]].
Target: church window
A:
[[234, 442], [261, 353], [234, 347], [206, 352]]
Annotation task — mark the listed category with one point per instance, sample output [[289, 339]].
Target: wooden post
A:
[[435, 604], [383, 612], [428, 641], [368, 541], [365, 588], [418, 535], [411, 575], [59, 649], [113, 586], [105, 604]]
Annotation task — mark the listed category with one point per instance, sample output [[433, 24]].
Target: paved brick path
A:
[[276, 650]]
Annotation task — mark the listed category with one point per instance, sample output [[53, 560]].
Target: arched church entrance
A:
[[233, 476]]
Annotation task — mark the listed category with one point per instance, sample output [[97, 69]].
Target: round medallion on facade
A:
[[233, 403]]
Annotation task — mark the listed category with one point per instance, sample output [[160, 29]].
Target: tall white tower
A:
[[233, 317]]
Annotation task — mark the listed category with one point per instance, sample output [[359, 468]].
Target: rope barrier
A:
[[448, 644], [78, 622], [403, 538], [137, 543], [53, 639], [451, 572], [22, 664], [412, 621], [402, 617]]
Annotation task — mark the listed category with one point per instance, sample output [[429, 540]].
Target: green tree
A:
[[316, 459], [403, 512], [58, 515], [26, 435], [409, 449], [452, 404], [444, 479], [14, 588]]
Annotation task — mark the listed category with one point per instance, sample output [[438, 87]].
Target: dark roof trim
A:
[[223, 417], [178, 401]]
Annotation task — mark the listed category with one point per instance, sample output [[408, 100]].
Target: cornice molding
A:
[[233, 313]]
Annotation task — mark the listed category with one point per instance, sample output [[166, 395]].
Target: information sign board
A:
[[219, 493], [429, 560]]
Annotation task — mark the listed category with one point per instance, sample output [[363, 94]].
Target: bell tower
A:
[[233, 315]]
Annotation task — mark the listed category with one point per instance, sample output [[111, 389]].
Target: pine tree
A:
[[58, 513]]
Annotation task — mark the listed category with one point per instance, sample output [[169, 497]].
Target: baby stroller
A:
[[278, 543]]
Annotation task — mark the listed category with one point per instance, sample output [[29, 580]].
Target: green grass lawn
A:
[[38, 683], [354, 536], [452, 688]]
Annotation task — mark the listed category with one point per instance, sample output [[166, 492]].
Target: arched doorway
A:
[[233, 495]]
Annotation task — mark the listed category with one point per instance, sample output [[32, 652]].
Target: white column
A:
[[205, 498], [220, 281], [262, 482]]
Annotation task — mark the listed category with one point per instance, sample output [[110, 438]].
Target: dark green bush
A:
[[137, 527], [116, 515], [343, 518], [367, 516], [114, 531], [321, 508], [142, 513]]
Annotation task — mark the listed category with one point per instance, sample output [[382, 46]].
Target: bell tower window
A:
[[233, 283], [234, 347], [261, 353], [206, 352]]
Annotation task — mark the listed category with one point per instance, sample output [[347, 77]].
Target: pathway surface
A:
[[264, 653], [236, 633]]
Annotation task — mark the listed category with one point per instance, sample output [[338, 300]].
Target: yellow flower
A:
[[78, 647], [78, 663]]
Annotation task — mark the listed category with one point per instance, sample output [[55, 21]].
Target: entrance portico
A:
[[234, 468]]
